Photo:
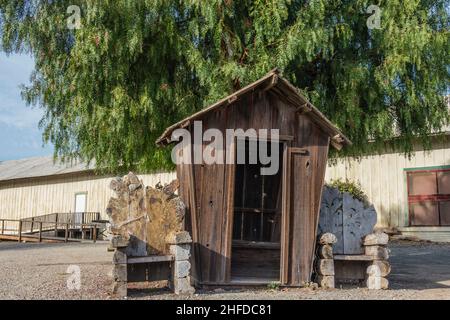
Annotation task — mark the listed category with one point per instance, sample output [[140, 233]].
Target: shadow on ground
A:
[[419, 265]]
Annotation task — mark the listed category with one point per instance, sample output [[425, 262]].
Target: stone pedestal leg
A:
[[120, 277], [375, 246], [180, 248], [324, 265], [373, 279]]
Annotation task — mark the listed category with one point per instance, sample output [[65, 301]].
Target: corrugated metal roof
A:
[[38, 167]]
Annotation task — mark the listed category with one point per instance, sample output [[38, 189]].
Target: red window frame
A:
[[432, 199]]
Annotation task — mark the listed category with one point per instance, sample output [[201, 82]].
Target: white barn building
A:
[[411, 195], [38, 186]]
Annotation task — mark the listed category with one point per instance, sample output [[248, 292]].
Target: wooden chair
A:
[[348, 250]]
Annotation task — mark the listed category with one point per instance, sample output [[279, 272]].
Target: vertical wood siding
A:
[[383, 178], [212, 186], [33, 197]]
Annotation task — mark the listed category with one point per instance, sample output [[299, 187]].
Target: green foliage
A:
[[354, 188], [134, 67], [274, 285]]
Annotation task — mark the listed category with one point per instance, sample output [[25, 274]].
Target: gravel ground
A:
[[40, 271]]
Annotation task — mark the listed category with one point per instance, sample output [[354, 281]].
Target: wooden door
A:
[[80, 208], [298, 225]]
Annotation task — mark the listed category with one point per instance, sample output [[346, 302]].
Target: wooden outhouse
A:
[[249, 228]]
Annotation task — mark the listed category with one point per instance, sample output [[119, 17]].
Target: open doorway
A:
[[255, 256]]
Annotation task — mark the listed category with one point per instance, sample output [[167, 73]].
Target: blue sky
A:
[[19, 133]]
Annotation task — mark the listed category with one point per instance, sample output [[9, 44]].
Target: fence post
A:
[[66, 235], [40, 231], [3, 226], [95, 233], [56, 224], [20, 231], [32, 225]]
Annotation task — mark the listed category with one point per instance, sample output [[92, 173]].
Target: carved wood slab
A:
[[349, 219]]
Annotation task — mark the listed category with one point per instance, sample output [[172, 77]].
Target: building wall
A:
[[383, 178], [32, 197]]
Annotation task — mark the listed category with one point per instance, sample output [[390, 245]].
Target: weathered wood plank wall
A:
[[213, 186], [349, 219]]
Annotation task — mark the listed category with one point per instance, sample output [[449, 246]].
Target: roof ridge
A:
[[275, 80]]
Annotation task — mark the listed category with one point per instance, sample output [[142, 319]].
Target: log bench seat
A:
[[351, 257], [150, 259]]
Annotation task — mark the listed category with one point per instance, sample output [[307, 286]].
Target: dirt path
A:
[[39, 271]]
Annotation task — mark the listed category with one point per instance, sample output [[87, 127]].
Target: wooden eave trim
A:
[[165, 137], [285, 90], [337, 146], [272, 83], [281, 137], [305, 106]]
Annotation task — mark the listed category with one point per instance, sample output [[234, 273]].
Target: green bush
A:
[[274, 285], [352, 187]]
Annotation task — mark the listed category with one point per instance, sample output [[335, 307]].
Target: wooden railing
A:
[[75, 219], [38, 228]]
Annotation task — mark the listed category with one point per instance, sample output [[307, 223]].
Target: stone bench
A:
[[372, 267], [348, 249], [174, 267]]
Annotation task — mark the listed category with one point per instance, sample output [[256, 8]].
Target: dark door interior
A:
[[257, 221]]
